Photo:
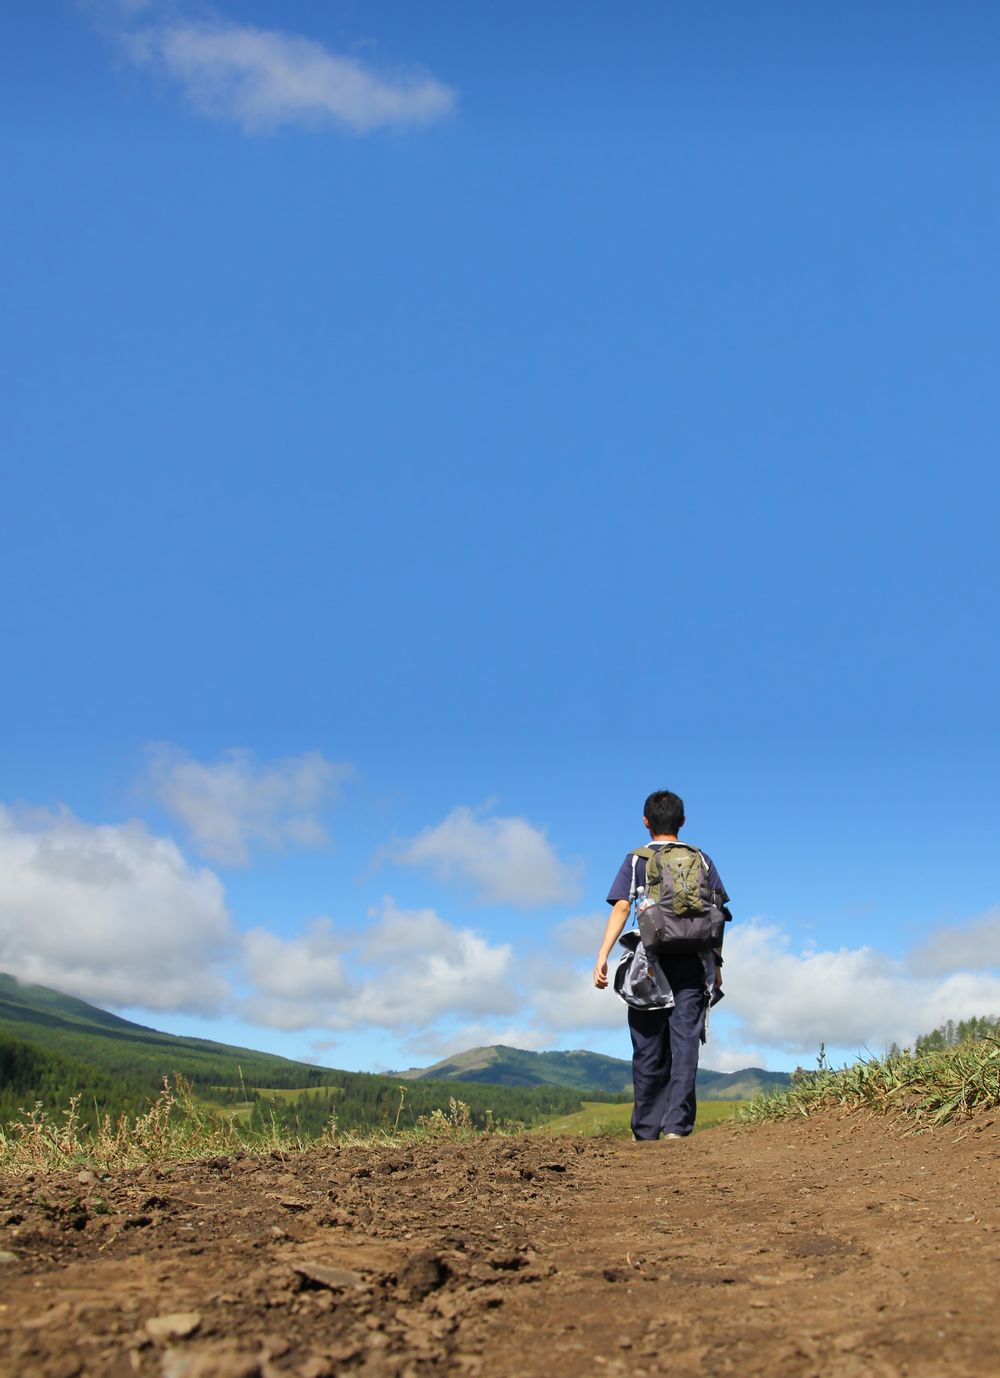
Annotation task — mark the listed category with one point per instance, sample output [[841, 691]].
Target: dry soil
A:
[[834, 1247]]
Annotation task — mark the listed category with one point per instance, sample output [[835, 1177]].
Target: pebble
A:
[[320, 1275], [7, 1257], [422, 1273], [218, 1361], [177, 1325]]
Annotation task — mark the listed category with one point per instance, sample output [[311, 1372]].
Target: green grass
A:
[[242, 1110], [597, 1117], [926, 1089], [293, 1092], [179, 1128]]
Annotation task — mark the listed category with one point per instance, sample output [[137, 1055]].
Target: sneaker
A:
[[673, 1136]]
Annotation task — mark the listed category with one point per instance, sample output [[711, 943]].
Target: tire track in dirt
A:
[[835, 1247]]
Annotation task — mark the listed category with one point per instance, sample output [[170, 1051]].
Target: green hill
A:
[[53, 1047], [586, 1072], [71, 1028]]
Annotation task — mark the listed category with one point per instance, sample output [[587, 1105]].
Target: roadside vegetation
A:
[[253, 1096], [59, 1112], [178, 1128], [926, 1088]]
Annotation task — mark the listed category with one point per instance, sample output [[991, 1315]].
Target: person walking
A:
[[666, 1040]]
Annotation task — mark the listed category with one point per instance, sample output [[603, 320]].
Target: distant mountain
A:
[[503, 1066], [500, 1065], [742, 1085]]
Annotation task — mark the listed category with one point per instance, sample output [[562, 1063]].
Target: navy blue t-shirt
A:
[[622, 883]]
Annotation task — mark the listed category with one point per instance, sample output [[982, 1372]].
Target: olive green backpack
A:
[[678, 911]]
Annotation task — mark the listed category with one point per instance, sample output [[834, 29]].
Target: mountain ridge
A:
[[70, 1028], [502, 1065]]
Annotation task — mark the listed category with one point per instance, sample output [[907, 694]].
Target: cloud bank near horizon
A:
[[111, 913], [855, 998], [117, 915], [403, 971]]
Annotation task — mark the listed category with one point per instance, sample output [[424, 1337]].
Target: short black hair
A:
[[664, 812]]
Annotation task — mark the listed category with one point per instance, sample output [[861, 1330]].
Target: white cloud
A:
[[503, 860], [718, 1057], [579, 936], [970, 946], [565, 998], [402, 971], [109, 913], [848, 998], [232, 804], [295, 972], [263, 79]]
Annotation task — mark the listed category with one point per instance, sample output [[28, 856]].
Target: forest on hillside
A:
[[29, 1075], [357, 1100]]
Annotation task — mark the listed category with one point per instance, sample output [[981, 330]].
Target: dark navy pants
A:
[[665, 1046]]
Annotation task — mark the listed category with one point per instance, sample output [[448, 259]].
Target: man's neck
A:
[[663, 837]]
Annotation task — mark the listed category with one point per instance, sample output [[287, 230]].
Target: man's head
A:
[[663, 813]]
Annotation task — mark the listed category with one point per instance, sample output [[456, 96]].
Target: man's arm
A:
[[718, 946], [617, 920]]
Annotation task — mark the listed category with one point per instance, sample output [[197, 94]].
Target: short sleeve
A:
[[715, 880], [621, 886]]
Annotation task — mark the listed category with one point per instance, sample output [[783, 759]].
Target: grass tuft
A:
[[926, 1089]]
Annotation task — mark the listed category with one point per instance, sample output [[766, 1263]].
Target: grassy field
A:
[[599, 1118], [242, 1110], [293, 1092]]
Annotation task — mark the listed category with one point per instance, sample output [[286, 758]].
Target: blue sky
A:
[[430, 428]]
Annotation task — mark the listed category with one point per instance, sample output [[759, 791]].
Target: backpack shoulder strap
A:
[[645, 853]]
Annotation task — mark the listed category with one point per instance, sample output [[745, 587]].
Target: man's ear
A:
[[645, 822], [681, 823]]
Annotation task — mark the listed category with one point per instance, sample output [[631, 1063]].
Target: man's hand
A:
[[617, 920]]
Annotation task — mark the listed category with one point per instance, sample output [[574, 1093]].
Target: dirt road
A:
[[834, 1247]]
